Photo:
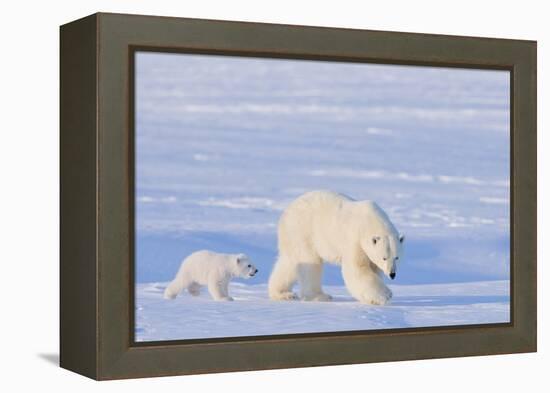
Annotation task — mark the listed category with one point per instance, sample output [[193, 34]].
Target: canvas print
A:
[[286, 196]]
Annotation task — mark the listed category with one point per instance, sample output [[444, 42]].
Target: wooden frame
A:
[[97, 196]]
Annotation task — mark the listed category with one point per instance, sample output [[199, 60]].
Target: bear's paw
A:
[[321, 297], [378, 298], [284, 296]]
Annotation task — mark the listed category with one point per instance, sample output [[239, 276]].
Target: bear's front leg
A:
[[224, 286], [364, 284], [219, 289], [377, 293]]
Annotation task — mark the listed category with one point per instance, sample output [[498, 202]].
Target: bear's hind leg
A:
[[309, 277], [176, 286], [282, 280]]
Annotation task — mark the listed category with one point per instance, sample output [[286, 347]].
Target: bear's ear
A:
[[375, 239], [401, 238], [240, 258]]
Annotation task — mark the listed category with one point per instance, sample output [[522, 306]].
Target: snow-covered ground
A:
[[223, 144], [253, 314]]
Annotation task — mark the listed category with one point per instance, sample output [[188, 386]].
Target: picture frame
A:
[[97, 196]]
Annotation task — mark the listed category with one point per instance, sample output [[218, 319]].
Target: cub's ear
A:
[[401, 238], [375, 239], [240, 258]]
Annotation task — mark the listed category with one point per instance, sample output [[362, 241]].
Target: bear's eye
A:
[[249, 265], [385, 259], [396, 258]]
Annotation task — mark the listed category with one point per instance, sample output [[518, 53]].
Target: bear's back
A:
[[207, 259], [322, 197], [314, 207]]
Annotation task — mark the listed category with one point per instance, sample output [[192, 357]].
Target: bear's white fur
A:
[[212, 269], [323, 226]]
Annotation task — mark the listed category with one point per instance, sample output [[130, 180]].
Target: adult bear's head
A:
[[384, 251], [380, 240]]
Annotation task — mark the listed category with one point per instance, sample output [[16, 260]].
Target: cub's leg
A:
[[225, 290], [309, 277], [194, 289], [218, 289], [173, 289], [282, 280]]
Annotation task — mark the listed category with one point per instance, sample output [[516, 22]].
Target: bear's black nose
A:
[[255, 271], [392, 275]]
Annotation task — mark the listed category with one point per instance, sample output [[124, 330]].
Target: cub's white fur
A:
[[212, 269], [324, 226]]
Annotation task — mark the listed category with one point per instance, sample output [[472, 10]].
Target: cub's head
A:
[[245, 269], [384, 251]]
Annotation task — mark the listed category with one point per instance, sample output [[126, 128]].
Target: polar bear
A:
[[212, 269], [325, 226]]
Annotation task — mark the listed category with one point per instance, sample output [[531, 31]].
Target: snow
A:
[[253, 314], [223, 144]]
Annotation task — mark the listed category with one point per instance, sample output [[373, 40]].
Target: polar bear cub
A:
[[211, 269]]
